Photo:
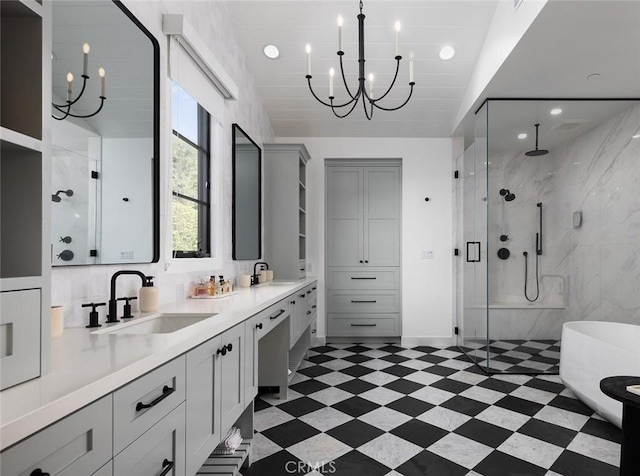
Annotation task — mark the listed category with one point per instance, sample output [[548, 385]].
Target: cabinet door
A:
[[344, 216], [77, 445], [158, 451], [203, 403], [232, 377], [382, 197], [19, 336]]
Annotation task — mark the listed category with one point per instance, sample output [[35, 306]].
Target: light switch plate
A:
[[426, 254]]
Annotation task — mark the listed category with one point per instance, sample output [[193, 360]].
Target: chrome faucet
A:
[[113, 302], [255, 278]]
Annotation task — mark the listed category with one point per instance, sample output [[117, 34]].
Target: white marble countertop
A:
[[86, 366]]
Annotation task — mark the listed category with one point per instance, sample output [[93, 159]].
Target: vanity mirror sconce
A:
[[104, 167]]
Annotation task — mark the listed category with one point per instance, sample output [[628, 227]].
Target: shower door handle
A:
[[473, 251]]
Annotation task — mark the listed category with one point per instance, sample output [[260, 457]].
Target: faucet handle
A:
[[93, 315], [127, 306]]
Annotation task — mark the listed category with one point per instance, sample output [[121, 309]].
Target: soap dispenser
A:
[[149, 296]]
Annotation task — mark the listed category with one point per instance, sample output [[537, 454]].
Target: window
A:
[[190, 152]]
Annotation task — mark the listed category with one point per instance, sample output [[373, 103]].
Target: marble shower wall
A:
[[587, 273]]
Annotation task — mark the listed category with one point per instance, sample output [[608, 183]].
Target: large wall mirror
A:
[[247, 193], [105, 166]]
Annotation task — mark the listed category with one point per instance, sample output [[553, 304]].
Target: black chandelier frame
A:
[[353, 102]]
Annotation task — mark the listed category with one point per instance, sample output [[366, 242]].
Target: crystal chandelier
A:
[[368, 100]]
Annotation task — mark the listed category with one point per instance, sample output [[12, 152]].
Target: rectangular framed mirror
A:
[[105, 136], [247, 197]]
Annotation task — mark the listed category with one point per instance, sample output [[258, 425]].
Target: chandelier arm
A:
[[400, 106], [102, 99], [71, 103], [368, 115], [66, 114], [392, 82], [344, 79], [355, 103], [326, 103]]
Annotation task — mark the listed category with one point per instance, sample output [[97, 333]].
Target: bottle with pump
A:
[[222, 285], [149, 296]]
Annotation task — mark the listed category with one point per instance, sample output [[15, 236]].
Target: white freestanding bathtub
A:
[[593, 350]]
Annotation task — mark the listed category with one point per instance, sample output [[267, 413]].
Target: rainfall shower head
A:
[[537, 152]]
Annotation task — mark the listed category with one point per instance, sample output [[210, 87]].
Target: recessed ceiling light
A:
[[555, 111], [447, 52], [522, 135], [593, 77], [271, 51]]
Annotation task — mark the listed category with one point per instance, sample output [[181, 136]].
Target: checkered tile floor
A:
[[516, 356], [385, 410]]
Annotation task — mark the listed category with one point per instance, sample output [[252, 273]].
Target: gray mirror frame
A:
[[236, 127]]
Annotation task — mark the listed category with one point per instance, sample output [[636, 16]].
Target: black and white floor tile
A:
[[517, 356], [385, 410]]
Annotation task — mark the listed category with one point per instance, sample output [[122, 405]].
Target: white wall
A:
[[73, 286], [426, 172]]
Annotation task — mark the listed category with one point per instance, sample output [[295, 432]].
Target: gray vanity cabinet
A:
[[78, 445], [363, 219], [215, 393], [161, 448], [285, 209], [25, 150]]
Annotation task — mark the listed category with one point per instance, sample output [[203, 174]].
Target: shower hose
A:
[[526, 275]]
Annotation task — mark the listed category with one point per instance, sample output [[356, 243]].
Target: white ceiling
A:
[[569, 40], [427, 25]]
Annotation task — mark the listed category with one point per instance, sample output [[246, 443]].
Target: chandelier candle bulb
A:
[[371, 85], [332, 72], [69, 85], [340, 22], [411, 67], [101, 73], [398, 26], [85, 50], [308, 49]]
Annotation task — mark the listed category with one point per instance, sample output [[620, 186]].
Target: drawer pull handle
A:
[[302, 295], [367, 302], [38, 472], [352, 277], [313, 288], [292, 302], [314, 306], [259, 326], [308, 312], [168, 466], [166, 391], [364, 325], [308, 292], [280, 313]]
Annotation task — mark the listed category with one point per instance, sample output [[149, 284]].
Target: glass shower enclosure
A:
[[549, 208]]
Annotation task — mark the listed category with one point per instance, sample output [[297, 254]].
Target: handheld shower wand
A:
[[538, 253]]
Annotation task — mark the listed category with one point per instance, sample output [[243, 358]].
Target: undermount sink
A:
[[164, 323]]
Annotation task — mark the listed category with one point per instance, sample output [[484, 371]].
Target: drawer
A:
[[266, 320], [77, 445], [19, 336], [159, 449], [363, 278], [363, 326], [363, 301], [142, 403]]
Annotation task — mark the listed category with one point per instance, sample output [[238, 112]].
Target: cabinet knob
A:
[[38, 472], [361, 261], [259, 326], [366, 261], [222, 351], [229, 347], [292, 302]]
